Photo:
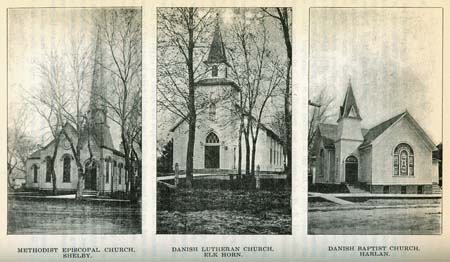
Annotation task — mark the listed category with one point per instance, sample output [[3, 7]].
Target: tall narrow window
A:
[[403, 160], [120, 174], [212, 111], [66, 169], [48, 170], [35, 173], [215, 71], [322, 163], [107, 171]]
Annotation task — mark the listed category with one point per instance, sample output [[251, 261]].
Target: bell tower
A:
[[349, 135]]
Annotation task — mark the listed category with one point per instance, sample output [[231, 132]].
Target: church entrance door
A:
[[351, 169], [212, 156], [212, 151], [90, 181]]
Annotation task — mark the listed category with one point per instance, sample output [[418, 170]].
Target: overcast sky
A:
[[392, 55], [32, 33]]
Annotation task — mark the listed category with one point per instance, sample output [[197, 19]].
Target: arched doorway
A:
[[90, 181], [351, 169], [212, 151]]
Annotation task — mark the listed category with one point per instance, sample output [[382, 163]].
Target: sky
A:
[[32, 33], [391, 56]]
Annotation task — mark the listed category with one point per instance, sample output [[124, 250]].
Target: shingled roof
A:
[[377, 130], [349, 103], [217, 49]]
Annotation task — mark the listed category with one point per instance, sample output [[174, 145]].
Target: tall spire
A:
[[97, 106], [217, 49], [97, 87], [349, 107]]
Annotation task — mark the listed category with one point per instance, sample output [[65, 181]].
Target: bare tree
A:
[[257, 70], [20, 145], [121, 32], [182, 31], [50, 100], [319, 112], [74, 111], [284, 17]]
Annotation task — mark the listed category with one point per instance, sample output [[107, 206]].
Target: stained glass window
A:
[[403, 160]]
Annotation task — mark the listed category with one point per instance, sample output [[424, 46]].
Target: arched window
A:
[[403, 160], [212, 111], [212, 138], [66, 169], [34, 169], [48, 169], [215, 71]]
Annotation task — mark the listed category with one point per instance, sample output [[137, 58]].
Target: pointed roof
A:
[[379, 129], [217, 49], [349, 107]]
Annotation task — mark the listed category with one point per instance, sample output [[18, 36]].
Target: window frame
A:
[[403, 150], [66, 177]]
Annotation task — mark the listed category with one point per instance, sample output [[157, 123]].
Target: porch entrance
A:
[[212, 151], [90, 181], [351, 170]]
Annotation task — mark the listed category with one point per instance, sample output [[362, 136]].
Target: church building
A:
[[394, 156], [217, 132], [105, 172]]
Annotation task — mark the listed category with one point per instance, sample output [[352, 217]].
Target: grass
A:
[[223, 211], [67, 216]]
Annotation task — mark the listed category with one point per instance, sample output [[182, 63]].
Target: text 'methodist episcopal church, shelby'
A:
[[106, 172], [394, 156], [217, 130]]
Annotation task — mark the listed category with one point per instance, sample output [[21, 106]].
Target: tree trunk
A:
[[52, 165], [247, 153], [240, 149], [191, 102], [253, 156], [80, 187], [287, 119]]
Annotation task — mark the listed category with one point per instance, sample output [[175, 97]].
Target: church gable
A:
[[383, 129]]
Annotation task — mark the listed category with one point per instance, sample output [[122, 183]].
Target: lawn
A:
[[67, 216], [223, 211], [382, 219]]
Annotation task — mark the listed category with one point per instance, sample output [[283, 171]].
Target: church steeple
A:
[[97, 106], [349, 108], [217, 53]]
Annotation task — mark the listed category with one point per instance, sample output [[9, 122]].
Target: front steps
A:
[[436, 189], [90, 193], [355, 189]]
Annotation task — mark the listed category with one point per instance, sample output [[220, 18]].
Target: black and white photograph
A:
[[224, 92], [375, 121], [74, 121]]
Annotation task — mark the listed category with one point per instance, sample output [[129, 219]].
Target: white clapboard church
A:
[[394, 156], [217, 132], [105, 173]]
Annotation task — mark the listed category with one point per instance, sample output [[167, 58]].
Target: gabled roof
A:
[[377, 130], [217, 49], [349, 108], [36, 154]]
